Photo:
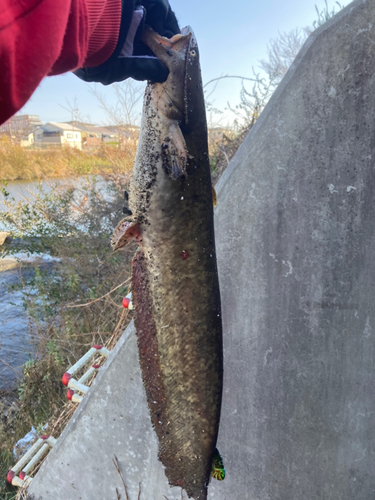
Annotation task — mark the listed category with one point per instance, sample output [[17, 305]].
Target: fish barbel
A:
[[175, 280]]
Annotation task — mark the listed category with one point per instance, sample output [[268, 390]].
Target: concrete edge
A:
[[81, 407], [242, 150]]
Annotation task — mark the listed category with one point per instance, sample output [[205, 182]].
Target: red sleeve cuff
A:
[[49, 37], [104, 26], [91, 34]]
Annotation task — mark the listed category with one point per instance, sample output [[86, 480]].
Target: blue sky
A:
[[232, 38]]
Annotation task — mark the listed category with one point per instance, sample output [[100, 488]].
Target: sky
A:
[[232, 38]]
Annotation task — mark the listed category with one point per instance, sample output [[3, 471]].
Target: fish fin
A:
[[149, 360], [214, 197], [218, 470], [174, 153], [124, 232]]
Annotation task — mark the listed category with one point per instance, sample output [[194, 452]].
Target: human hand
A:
[[160, 17], [132, 58]]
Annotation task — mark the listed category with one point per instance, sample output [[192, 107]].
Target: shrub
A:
[[74, 300]]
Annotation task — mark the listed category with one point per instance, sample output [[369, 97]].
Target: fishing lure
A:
[[218, 470]]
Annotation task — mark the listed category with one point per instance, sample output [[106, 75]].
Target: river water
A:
[[15, 346], [27, 189], [15, 342]]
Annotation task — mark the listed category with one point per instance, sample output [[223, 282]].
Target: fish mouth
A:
[[169, 97], [164, 48]]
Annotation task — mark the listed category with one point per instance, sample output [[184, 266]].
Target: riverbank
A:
[[8, 265], [53, 312], [26, 164]]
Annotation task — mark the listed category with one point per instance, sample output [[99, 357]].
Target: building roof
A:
[[84, 127], [20, 124], [61, 126], [90, 128]]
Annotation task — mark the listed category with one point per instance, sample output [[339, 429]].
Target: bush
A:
[[74, 300]]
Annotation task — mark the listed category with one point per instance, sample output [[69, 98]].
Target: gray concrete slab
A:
[[111, 420], [295, 229]]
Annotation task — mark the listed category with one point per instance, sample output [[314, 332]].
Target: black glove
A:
[[160, 17], [125, 61]]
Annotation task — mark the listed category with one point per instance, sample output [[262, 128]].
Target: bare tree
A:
[[282, 51], [127, 110], [252, 101], [125, 115]]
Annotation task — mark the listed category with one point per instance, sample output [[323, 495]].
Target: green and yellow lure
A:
[[218, 471]]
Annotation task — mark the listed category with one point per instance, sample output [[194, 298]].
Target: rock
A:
[[23, 445], [4, 235]]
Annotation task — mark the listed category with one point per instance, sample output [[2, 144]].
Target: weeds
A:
[[325, 15], [21, 163], [73, 225], [281, 53]]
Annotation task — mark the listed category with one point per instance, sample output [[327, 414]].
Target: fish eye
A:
[[193, 53]]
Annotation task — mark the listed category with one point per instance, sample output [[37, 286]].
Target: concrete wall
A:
[[296, 240], [295, 229]]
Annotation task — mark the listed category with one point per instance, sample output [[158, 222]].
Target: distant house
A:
[[126, 133], [19, 127], [94, 135], [58, 135], [27, 140]]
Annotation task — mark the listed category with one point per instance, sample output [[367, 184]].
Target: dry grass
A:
[[223, 145], [22, 164]]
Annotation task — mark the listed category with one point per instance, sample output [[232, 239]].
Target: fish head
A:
[[180, 55], [194, 105], [125, 231]]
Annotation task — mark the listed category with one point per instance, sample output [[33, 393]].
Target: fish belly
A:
[[177, 303]]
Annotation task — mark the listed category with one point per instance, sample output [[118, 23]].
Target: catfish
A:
[[175, 282]]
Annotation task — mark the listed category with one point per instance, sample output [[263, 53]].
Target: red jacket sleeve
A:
[[50, 37]]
